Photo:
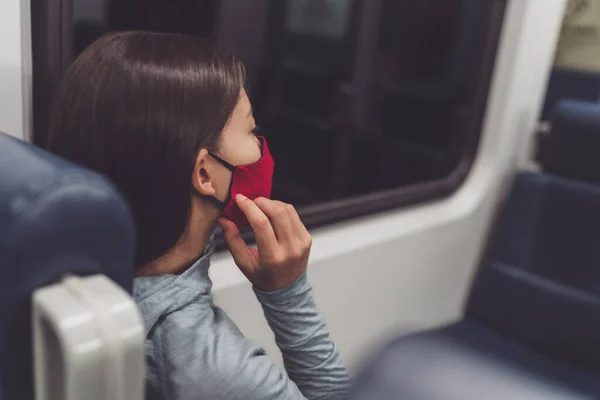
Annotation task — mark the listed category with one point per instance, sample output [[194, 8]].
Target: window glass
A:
[[356, 97], [327, 18]]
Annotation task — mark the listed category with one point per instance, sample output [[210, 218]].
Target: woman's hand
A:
[[282, 240]]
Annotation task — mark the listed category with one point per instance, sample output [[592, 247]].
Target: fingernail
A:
[[241, 197]]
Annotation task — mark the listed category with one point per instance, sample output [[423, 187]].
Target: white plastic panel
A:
[[67, 346], [88, 342]]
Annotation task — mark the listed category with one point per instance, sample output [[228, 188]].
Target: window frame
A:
[[52, 27]]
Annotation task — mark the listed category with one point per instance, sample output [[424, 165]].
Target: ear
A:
[[202, 179]]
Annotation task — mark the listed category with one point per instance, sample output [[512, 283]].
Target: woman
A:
[[166, 117]]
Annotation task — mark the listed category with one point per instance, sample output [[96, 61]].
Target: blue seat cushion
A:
[[570, 84], [466, 360], [571, 148], [540, 283]]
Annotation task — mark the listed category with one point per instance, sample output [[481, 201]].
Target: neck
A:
[[189, 248]]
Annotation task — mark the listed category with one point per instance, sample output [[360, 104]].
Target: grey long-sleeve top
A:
[[195, 351]]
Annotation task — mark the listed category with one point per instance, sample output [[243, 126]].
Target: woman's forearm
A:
[[311, 358]]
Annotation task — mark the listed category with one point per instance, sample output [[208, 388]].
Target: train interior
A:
[[382, 116]]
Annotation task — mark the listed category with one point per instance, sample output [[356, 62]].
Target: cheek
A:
[[254, 153], [248, 151]]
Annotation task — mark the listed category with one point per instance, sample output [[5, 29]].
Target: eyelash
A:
[[255, 130]]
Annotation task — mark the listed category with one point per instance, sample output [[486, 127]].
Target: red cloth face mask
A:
[[252, 180]]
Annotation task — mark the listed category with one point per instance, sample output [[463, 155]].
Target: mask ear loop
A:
[[222, 162], [216, 202]]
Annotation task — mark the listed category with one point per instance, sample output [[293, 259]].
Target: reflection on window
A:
[[328, 18], [355, 96]]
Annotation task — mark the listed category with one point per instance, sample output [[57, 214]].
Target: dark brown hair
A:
[[138, 107]]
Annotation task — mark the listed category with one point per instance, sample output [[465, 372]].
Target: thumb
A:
[[237, 246]]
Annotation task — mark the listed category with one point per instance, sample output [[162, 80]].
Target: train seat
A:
[[568, 83], [532, 324], [66, 267]]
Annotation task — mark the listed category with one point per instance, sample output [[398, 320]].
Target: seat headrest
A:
[[55, 219], [566, 83], [574, 141]]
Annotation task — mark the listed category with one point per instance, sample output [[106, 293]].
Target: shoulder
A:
[[204, 355]]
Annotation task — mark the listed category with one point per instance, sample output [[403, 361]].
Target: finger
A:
[[302, 232], [237, 246], [263, 231], [280, 219], [295, 218]]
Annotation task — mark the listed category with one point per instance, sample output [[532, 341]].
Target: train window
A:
[[367, 104]]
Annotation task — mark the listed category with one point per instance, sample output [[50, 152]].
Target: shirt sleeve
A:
[[203, 355], [311, 358]]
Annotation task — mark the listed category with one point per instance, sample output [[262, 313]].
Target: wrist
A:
[[298, 287]]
